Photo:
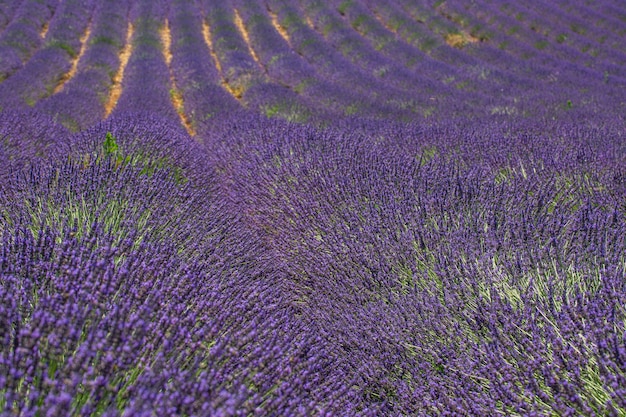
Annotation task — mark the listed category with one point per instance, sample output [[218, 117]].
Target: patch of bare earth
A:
[[459, 40], [279, 28], [246, 37], [236, 92], [72, 72], [116, 87], [175, 94], [44, 30]]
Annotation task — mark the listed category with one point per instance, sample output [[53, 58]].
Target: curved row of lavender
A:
[[315, 61], [437, 228]]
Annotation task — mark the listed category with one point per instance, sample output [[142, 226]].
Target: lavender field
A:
[[312, 208]]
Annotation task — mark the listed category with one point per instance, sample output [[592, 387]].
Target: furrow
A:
[[206, 33], [175, 95], [72, 72], [116, 88], [246, 37]]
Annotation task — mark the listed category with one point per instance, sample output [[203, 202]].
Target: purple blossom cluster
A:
[[130, 286], [450, 281], [27, 138], [308, 208]]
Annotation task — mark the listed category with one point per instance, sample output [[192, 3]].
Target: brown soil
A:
[[44, 30], [175, 95], [116, 87], [246, 37], [280, 29], [70, 74], [459, 40], [234, 91]]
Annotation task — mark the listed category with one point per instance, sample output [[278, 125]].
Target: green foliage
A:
[[110, 144], [381, 71], [427, 155], [327, 28], [352, 109], [64, 46], [306, 43], [358, 22], [461, 85], [273, 60], [30, 101], [69, 122], [513, 30], [286, 111], [148, 164], [64, 207], [289, 20], [301, 86], [344, 6], [106, 40], [427, 44]]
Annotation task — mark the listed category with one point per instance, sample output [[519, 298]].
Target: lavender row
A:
[[530, 27], [308, 41], [350, 42], [443, 27], [84, 99], [23, 36], [382, 39], [340, 81], [243, 75], [428, 95], [304, 73], [522, 58], [287, 68], [41, 75], [566, 28], [465, 81], [555, 38], [146, 83], [613, 13], [513, 81], [204, 97]]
